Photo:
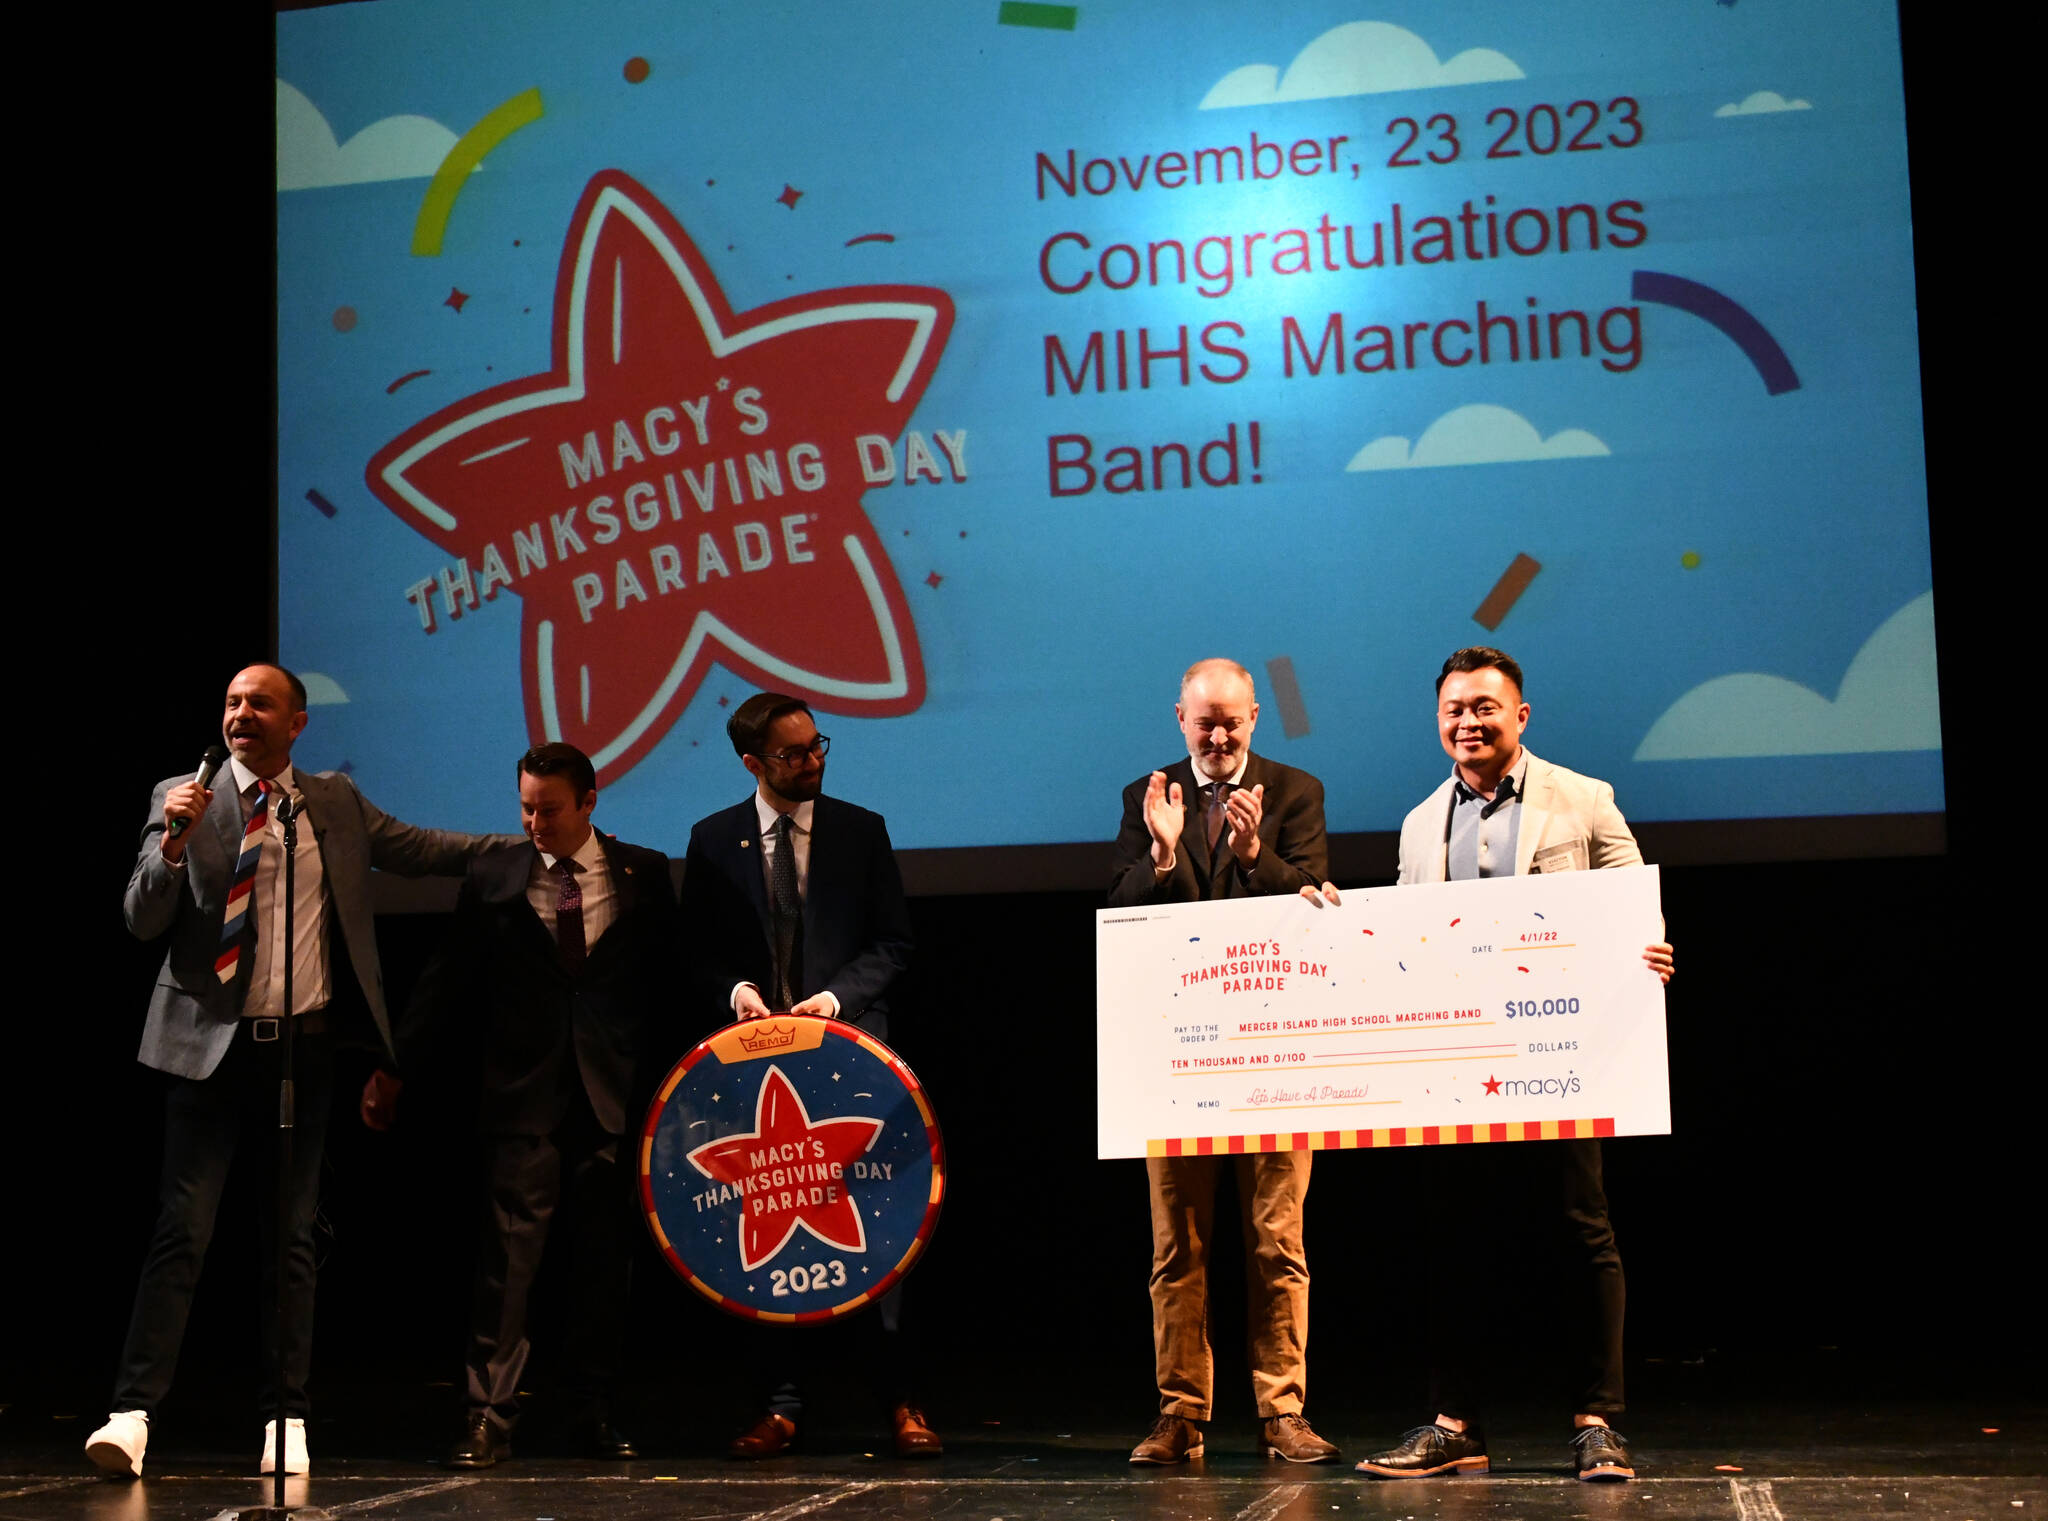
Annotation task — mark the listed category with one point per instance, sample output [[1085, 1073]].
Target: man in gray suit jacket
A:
[[1505, 812], [214, 859]]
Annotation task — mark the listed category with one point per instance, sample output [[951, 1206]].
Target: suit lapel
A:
[[625, 882], [319, 805], [1194, 826], [225, 819], [822, 821], [1440, 835], [744, 842], [1535, 813]]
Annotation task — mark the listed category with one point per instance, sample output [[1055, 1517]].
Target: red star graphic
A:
[[644, 549], [786, 1140], [1492, 1083], [456, 298], [790, 196], [933, 580]]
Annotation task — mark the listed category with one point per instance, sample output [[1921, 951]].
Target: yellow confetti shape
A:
[[498, 124]]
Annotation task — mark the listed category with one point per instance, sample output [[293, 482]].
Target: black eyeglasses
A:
[[817, 747]]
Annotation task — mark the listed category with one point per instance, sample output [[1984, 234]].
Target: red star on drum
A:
[[792, 1171]]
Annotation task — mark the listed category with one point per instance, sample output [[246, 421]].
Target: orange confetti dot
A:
[[344, 319], [1988, 1430], [637, 70]]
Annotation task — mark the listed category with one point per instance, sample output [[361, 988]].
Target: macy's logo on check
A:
[[1532, 1087]]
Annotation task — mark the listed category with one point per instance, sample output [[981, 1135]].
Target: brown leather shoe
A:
[[1172, 1439], [1291, 1437], [914, 1435], [481, 1445], [769, 1437]]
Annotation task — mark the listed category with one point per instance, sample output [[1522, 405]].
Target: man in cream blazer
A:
[[1569, 823], [1505, 812]]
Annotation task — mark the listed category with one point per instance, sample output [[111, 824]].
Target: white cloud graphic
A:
[[1762, 103], [1479, 434], [396, 148], [1357, 58], [1889, 701], [322, 690]]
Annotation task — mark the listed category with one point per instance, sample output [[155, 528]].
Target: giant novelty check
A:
[[1513, 1009]]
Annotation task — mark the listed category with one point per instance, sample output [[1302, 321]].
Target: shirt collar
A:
[[245, 778], [1513, 784], [1235, 779], [799, 820], [589, 856]]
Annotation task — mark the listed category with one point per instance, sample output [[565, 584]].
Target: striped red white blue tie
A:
[[243, 892]]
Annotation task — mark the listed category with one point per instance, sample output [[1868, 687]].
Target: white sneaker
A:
[[294, 1447], [117, 1446]]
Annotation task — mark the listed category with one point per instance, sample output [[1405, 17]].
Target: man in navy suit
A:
[[792, 902], [560, 970]]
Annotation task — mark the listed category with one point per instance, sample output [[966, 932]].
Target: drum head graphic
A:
[[791, 1169]]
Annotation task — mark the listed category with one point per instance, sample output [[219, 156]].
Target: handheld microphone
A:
[[209, 766]]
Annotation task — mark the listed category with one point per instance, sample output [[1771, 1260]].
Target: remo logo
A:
[[791, 1169], [683, 485]]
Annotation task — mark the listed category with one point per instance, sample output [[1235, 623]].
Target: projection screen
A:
[[970, 369]]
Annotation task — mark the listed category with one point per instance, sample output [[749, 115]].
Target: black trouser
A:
[[1557, 1186], [873, 1341], [205, 1121], [526, 1177]]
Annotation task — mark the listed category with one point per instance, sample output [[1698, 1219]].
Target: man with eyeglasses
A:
[[1222, 822], [792, 903]]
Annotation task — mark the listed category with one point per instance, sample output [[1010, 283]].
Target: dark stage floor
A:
[[1721, 1457]]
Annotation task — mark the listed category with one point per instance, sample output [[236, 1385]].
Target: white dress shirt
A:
[[800, 844], [312, 987], [544, 888]]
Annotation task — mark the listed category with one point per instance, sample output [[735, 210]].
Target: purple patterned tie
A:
[[569, 914]]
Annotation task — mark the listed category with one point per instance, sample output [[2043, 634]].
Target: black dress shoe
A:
[[1599, 1454], [599, 1438], [481, 1444], [1429, 1450]]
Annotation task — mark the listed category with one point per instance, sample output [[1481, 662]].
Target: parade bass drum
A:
[[791, 1169]]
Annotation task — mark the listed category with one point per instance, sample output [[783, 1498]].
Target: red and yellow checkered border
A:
[[911, 1253], [1397, 1135]]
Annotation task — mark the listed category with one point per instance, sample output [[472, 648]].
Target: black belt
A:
[[269, 1027]]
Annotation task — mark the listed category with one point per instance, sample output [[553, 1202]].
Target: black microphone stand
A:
[[287, 1104]]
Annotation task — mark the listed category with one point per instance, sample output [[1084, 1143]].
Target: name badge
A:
[[1567, 857]]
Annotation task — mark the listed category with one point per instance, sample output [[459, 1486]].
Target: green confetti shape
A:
[[1057, 18]]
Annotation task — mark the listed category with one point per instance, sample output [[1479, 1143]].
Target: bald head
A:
[[1218, 709], [1213, 670]]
